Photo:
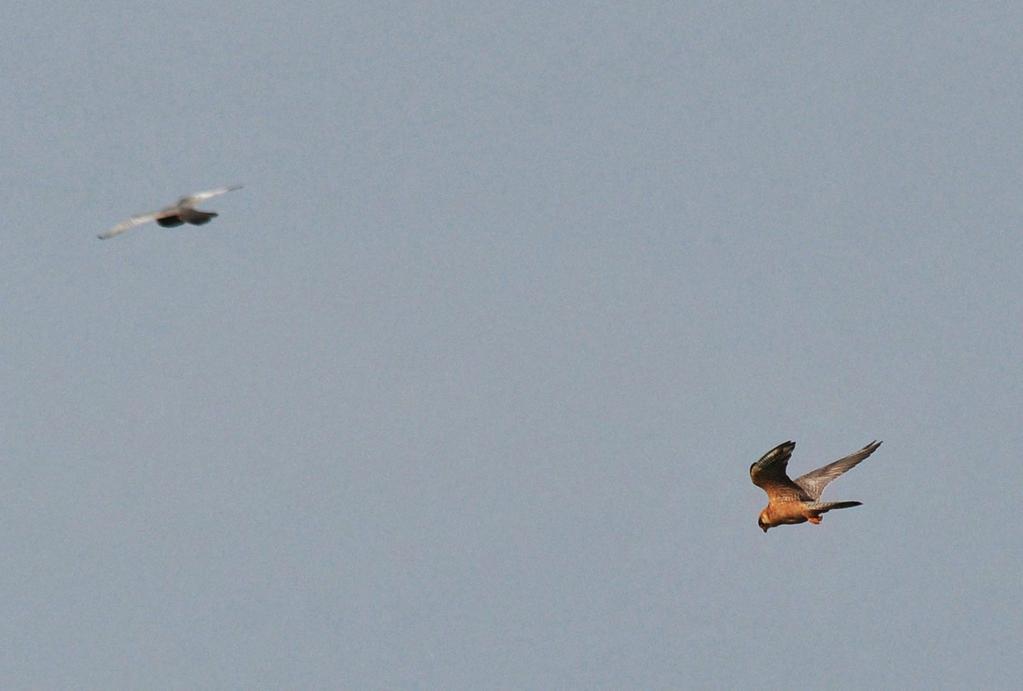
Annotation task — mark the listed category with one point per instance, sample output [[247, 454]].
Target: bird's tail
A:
[[196, 217], [820, 507]]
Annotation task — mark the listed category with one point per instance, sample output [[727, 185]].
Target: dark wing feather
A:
[[814, 482], [769, 473]]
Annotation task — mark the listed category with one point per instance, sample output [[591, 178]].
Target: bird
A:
[[183, 211], [798, 501]]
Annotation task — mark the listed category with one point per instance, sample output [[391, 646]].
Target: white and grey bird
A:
[[172, 216]]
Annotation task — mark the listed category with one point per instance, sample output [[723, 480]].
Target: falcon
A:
[[172, 216], [798, 501]]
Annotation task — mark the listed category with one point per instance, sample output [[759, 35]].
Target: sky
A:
[[462, 388]]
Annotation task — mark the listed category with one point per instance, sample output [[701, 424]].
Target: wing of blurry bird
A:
[[208, 194], [125, 226]]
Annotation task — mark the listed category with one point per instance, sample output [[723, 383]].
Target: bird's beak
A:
[[764, 528]]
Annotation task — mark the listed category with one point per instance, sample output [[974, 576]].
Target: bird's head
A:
[[762, 521]]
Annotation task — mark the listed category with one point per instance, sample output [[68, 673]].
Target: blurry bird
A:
[[182, 212], [797, 501]]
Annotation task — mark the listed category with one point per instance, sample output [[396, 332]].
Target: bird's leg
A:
[[814, 519]]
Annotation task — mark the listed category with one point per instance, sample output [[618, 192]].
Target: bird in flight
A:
[[182, 212], [798, 501]]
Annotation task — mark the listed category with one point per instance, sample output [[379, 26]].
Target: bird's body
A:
[[798, 501], [182, 212]]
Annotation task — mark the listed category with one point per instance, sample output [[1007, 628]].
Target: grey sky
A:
[[461, 390]]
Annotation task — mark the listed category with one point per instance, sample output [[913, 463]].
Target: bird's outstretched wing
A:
[[769, 472], [127, 225], [208, 194], [814, 482]]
